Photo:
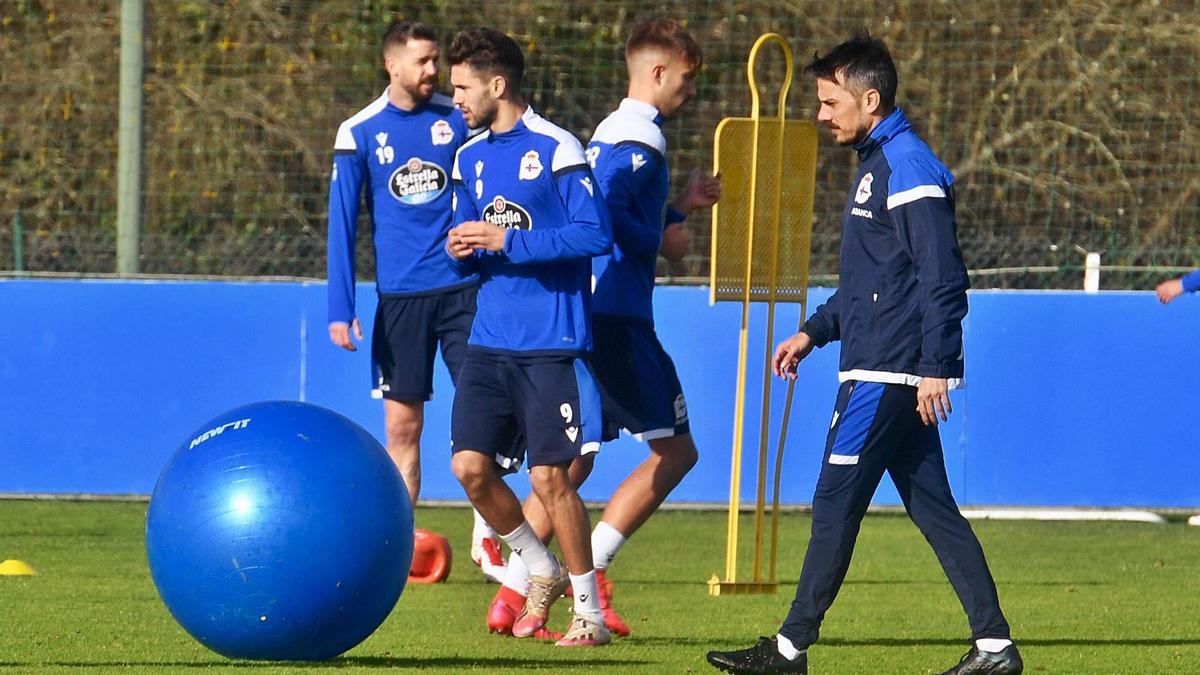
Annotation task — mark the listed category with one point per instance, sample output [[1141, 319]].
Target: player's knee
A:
[[468, 469], [581, 468], [677, 451], [403, 423], [405, 433], [551, 483], [687, 458]]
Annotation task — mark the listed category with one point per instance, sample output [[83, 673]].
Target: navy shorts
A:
[[639, 388], [405, 338], [547, 408]]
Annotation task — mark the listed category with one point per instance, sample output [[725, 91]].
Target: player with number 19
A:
[[399, 151]]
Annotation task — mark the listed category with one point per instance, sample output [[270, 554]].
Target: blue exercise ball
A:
[[281, 531]]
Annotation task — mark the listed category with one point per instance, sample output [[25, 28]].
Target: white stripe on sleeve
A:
[[913, 194]]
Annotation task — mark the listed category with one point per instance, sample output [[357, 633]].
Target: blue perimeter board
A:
[[1072, 399]]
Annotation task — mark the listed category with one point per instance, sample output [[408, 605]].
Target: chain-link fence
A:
[[1070, 126]]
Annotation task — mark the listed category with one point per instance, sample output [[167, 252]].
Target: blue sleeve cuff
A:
[[508, 241], [674, 216], [1191, 282], [814, 331]]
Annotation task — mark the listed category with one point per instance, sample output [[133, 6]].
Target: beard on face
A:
[[847, 136], [421, 90], [484, 114]]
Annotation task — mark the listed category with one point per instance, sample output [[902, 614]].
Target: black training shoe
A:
[[975, 662], [763, 657]]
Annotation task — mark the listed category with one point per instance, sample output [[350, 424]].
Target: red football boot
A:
[[506, 606], [616, 625]]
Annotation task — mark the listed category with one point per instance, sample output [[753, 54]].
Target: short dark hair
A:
[[489, 51], [863, 62], [401, 31], [668, 34]]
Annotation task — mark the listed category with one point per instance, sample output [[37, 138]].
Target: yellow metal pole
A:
[[731, 543], [735, 471], [782, 108], [759, 275], [774, 215]]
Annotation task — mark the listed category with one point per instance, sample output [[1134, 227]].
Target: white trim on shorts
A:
[[654, 434], [507, 462]]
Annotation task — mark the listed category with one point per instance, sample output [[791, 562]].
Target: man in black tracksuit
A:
[[898, 310]]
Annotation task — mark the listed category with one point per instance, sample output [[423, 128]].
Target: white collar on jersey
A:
[[640, 108]]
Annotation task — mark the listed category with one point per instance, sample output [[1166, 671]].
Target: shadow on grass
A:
[[667, 641], [361, 661], [791, 583], [698, 581], [1021, 642], [711, 643], [943, 582]]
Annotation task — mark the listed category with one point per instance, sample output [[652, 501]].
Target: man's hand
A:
[[455, 246], [676, 241], [1169, 290], [700, 192], [789, 354], [475, 235], [933, 400], [339, 334]]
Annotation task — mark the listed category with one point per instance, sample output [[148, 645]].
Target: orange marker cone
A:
[[431, 558]]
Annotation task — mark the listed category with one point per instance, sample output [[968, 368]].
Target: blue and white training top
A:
[[404, 158], [628, 154], [535, 295], [902, 288]]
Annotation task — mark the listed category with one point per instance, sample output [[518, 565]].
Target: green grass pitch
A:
[[1082, 598]]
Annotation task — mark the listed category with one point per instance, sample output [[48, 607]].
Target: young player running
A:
[[528, 221]]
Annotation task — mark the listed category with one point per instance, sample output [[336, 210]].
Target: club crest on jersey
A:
[[531, 166], [507, 215], [441, 132], [863, 193], [417, 182]]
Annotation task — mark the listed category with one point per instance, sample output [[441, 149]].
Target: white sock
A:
[[587, 596], [516, 575], [606, 542], [786, 649], [481, 530], [993, 645], [525, 543]]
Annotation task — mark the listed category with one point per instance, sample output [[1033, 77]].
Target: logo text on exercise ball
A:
[[240, 424]]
